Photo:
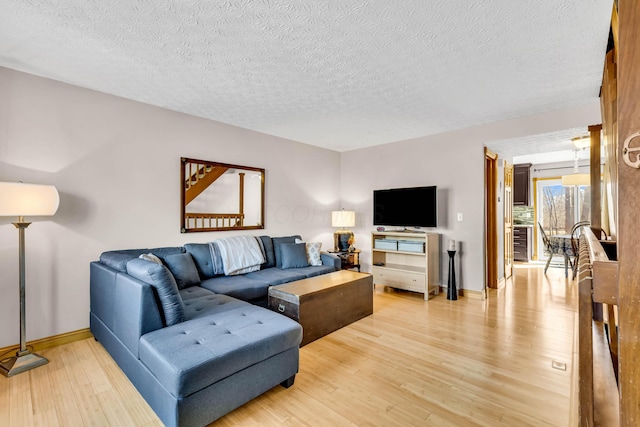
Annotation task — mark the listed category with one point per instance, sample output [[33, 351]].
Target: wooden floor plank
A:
[[412, 363], [63, 389], [21, 412]]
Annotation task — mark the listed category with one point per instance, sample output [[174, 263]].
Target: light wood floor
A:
[[411, 363]]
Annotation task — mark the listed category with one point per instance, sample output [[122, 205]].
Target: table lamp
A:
[[342, 219], [18, 199]]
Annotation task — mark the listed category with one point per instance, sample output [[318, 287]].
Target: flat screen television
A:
[[406, 207]]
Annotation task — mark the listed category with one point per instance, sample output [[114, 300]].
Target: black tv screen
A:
[[406, 207]]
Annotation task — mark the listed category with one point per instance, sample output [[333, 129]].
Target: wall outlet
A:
[[460, 217]]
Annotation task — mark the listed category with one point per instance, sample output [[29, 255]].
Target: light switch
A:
[[460, 217]]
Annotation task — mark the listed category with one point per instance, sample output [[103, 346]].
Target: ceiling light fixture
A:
[[576, 178], [582, 142]]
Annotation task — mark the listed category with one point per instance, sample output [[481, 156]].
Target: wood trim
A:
[[596, 179], [585, 339], [605, 282], [507, 199], [479, 295], [628, 111], [574, 394], [609, 107], [491, 215], [534, 234], [614, 30], [606, 399], [54, 341]]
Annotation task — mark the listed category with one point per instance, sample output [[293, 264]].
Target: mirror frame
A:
[[212, 215]]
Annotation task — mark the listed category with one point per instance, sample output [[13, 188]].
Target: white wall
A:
[[116, 164], [454, 161]]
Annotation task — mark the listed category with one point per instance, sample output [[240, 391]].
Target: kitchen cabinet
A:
[[522, 243], [522, 184]]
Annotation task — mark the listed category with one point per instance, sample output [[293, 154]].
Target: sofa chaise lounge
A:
[[195, 342]]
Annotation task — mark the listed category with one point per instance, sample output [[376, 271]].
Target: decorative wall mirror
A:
[[218, 196]]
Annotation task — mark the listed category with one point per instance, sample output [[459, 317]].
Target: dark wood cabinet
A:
[[348, 260], [521, 184], [522, 248]]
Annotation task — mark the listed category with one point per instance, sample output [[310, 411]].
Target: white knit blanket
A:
[[240, 254]]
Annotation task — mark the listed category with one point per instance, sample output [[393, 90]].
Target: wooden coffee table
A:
[[324, 303]]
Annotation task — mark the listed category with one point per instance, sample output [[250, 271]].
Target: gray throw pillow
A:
[[162, 280], [216, 259], [294, 255], [150, 257], [184, 270]]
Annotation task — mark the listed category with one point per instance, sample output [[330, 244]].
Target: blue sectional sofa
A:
[[195, 342]]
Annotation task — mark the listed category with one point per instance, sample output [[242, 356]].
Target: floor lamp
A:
[[18, 199]]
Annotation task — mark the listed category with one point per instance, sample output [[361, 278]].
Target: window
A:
[[559, 207]]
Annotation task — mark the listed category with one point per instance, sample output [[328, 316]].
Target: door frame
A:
[[507, 199], [491, 218]]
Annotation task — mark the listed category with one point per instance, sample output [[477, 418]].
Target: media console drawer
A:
[[410, 281]]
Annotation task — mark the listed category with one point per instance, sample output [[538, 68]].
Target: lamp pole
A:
[[24, 358], [21, 225]]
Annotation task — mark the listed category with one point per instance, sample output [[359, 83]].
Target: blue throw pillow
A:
[[160, 278], [269, 254], [277, 244], [201, 255], [294, 255], [184, 270]]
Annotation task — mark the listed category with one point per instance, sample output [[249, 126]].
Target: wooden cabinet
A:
[[348, 260], [522, 243], [406, 260], [521, 184], [323, 304]]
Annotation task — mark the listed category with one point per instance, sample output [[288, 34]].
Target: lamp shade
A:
[[576, 179], [18, 199], [343, 218]]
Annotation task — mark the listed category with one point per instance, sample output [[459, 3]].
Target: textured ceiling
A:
[[336, 74], [542, 148]]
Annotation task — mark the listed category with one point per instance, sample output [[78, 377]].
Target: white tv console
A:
[[416, 269]]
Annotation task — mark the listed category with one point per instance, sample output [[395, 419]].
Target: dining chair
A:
[[547, 244], [576, 230]]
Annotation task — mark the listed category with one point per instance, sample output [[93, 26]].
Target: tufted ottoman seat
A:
[[190, 356], [225, 343]]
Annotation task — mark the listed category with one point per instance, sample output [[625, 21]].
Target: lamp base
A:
[[341, 240], [21, 362]]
